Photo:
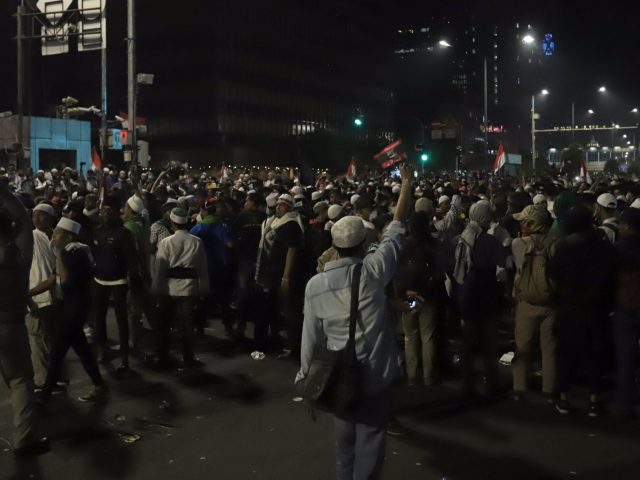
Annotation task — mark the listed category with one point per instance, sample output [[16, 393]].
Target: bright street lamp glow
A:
[[635, 110], [624, 136], [544, 91], [590, 112], [602, 89], [358, 122], [444, 43], [528, 39]]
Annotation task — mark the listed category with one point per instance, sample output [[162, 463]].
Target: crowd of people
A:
[[441, 253]]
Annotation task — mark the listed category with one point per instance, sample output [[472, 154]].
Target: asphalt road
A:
[[235, 419]]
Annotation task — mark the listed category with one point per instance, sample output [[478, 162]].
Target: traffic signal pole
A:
[[131, 80]]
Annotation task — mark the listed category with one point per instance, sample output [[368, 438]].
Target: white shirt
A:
[[182, 250], [42, 266]]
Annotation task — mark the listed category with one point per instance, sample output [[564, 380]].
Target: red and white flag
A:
[[501, 159], [584, 173], [351, 169], [96, 161]]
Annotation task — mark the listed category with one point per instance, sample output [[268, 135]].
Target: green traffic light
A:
[[424, 157], [358, 122]]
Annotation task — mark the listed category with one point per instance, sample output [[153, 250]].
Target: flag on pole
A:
[[391, 154], [584, 173], [351, 169], [501, 159], [96, 161]]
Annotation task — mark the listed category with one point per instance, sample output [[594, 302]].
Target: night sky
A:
[[595, 45]]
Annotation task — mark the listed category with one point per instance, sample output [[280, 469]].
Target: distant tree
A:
[[612, 166], [571, 159]]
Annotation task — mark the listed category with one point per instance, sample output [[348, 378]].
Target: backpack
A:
[[532, 281]]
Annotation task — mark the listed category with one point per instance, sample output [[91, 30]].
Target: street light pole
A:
[[131, 90], [533, 131], [20, 78], [573, 122]]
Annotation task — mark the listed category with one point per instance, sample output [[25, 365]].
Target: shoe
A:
[[395, 428], [595, 409], [123, 370], [95, 395], [193, 363], [517, 396], [563, 407], [285, 354], [40, 446]]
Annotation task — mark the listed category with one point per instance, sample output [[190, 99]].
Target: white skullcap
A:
[[286, 198], [299, 196], [69, 225], [136, 204], [354, 198], [424, 205], [539, 198], [46, 208], [329, 187], [272, 199], [443, 199], [636, 203], [335, 211], [179, 216], [297, 190], [319, 206], [316, 196], [348, 232]]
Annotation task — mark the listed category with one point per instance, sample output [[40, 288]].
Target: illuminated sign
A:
[[548, 45]]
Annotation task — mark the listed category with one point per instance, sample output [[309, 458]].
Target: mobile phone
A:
[[412, 302]]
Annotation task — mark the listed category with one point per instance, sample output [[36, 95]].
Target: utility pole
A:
[[486, 115], [20, 78], [573, 122], [103, 101], [131, 90]]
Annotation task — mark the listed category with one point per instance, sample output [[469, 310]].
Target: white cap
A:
[[316, 196], [539, 198], [348, 232], [329, 187], [299, 196], [136, 204], [354, 198], [395, 189], [443, 199], [636, 203], [272, 199], [46, 208], [54, 170], [297, 190], [335, 211], [286, 198], [105, 170], [423, 205], [607, 200], [69, 225]]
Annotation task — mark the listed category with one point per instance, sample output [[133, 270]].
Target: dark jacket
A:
[[114, 252]]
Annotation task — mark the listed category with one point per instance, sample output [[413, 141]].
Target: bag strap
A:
[[355, 301]]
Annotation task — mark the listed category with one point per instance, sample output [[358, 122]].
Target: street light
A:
[[544, 91], [528, 39], [534, 117], [590, 112], [634, 110], [602, 89], [444, 44]]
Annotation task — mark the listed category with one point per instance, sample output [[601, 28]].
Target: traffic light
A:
[[358, 119], [424, 157]]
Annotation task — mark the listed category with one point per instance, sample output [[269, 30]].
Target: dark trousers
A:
[[361, 439], [242, 294], [101, 294], [183, 309], [626, 328], [16, 372], [482, 330], [71, 335], [140, 302], [277, 307], [581, 346]]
